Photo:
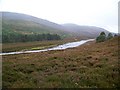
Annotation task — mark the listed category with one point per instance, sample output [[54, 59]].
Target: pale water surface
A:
[[59, 47]]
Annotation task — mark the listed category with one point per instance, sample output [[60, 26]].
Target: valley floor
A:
[[90, 65], [35, 45]]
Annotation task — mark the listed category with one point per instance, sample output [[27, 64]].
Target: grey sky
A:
[[101, 13]]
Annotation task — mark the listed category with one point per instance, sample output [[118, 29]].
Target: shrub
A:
[[101, 37], [109, 36]]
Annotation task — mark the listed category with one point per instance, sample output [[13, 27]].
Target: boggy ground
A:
[[36, 45], [92, 65]]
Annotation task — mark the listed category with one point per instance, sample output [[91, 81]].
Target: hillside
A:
[[25, 24], [92, 65], [89, 31]]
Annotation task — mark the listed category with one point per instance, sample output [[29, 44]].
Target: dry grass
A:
[[10, 47], [90, 65]]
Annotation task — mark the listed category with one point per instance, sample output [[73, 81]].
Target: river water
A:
[[59, 47]]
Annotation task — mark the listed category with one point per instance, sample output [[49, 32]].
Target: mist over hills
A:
[[18, 16], [26, 24], [89, 31]]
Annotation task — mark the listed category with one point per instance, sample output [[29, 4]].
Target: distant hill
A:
[[26, 24], [89, 31]]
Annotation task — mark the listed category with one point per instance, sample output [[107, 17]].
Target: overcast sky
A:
[[101, 13]]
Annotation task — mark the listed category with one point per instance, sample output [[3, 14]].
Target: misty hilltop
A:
[[87, 31], [26, 24]]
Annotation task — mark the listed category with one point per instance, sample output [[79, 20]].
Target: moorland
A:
[[91, 65]]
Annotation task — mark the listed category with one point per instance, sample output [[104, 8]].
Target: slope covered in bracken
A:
[[92, 65]]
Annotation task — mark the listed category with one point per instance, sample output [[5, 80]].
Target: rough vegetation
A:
[[103, 37], [34, 45], [92, 65]]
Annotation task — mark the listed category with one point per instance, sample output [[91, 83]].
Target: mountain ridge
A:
[[27, 24]]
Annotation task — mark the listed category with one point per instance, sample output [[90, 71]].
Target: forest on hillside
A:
[[16, 37]]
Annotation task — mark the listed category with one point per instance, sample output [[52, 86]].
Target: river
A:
[[59, 47]]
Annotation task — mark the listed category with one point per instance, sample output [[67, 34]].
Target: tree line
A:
[[15, 37], [103, 37]]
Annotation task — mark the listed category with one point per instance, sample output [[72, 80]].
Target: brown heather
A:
[[92, 65]]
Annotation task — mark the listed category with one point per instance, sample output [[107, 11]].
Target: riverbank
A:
[[51, 47], [13, 47], [92, 65]]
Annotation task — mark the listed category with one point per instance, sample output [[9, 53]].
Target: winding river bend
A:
[[59, 47]]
